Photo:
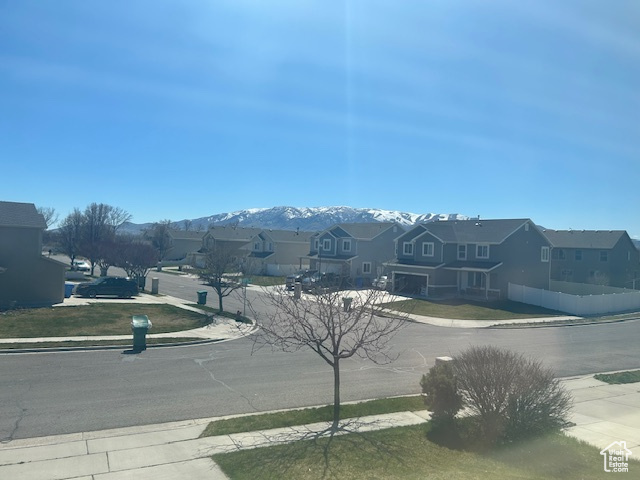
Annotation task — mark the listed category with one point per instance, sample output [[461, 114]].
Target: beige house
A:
[[27, 279], [259, 251], [183, 243], [278, 252]]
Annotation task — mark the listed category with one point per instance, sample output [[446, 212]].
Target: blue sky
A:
[[174, 110]]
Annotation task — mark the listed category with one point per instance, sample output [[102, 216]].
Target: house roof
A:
[[362, 231], [14, 214], [261, 254], [474, 231], [287, 235], [604, 239], [411, 262], [332, 257], [186, 235], [472, 266], [233, 233]]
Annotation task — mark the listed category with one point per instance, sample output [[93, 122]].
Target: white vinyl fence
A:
[[576, 304]]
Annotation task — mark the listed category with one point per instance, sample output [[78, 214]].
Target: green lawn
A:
[[467, 310], [618, 378], [305, 416], [407, 453], [265, 281], [95, 319]]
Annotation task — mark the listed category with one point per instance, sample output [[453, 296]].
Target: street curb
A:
[[558, 324], [98, 348], [110, 347]]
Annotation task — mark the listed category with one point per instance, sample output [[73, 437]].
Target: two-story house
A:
[[477, 257], [599, 257], [27, 278], [278, 252], [183, 242], [229, 237], [356, 251]]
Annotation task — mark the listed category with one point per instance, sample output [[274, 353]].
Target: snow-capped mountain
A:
[[304, 218]]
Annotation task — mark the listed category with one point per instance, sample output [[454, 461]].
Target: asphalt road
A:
[[55, 393]]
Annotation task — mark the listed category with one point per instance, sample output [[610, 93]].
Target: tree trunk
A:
[[336, 395], [220, 301]]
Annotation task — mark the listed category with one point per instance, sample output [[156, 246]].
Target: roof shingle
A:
[[14, 214]]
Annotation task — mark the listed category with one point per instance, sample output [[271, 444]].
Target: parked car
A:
[[81, 265], [114, 286], [383, 282], [298, 277], [331, 281]]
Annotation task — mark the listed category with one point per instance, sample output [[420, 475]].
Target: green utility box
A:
[[202, 297], [140, 324]]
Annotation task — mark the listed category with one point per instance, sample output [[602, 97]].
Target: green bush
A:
[[441, 393]]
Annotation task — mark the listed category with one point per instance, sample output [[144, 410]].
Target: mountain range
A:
[[304, 218]]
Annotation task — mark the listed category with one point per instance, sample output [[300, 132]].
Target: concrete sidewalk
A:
[[602, 413]]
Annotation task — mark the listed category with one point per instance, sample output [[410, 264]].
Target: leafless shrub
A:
[[513, 396]]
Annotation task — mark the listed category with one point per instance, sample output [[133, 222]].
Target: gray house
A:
[[278, 252], [473, 257], [26, 277], [354, 250], [600, 257]]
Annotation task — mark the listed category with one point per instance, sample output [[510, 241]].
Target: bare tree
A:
[[187, 225], [158, 234], [101, 223], [49, 214], [333, 327], [71, 234], [109, 253], [221, 272], [136, 258]]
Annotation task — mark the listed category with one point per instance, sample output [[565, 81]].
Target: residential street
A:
[[55, 393]]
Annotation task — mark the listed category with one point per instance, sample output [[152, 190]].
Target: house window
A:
[[407, 248], [482, 251], [256, 246], [567, 275], [604, 255], [366, 267], [326, 244], [270, 247], [315, 245], [462, 252], [578, 255], [346, 245], [544, 254], [427, 249], [476, 279], [558, 254]]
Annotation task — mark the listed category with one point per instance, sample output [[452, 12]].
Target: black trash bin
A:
[[140, 324], [202, 297]]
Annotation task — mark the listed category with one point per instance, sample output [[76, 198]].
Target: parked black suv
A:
[[117, 286]]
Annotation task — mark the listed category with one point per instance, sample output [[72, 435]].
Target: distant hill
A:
[[305, 218]]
